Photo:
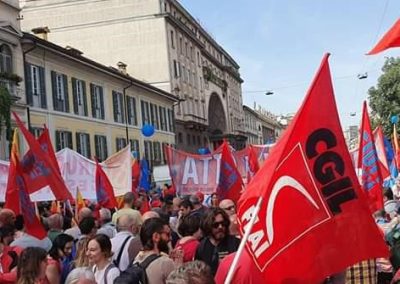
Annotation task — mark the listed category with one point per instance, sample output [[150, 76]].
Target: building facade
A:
[[253, 126], [163, 45]]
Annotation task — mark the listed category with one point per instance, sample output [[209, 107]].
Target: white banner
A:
[[79, 172]]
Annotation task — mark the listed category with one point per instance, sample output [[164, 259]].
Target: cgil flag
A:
[[389, 40], [309, 197], [104, 190], [368, 162]]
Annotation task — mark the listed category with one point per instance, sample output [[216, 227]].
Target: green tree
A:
[[384, 99], [5, 110]]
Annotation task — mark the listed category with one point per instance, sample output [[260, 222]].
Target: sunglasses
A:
[[222, 223], [229, 208]]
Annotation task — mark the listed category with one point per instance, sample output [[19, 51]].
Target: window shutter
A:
[[102, 103], [28, 83], [65, 83], [87, 137], [97, 146], [70, 145], [74, 95], [78, 142], [129, 107], [143, 113], [85, 106], [123, 102], [105, 154], [42, 81], [54, 89], [115, 105], [58, 142], [93, 100]]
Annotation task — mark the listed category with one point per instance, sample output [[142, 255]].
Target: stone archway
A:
[[216, 120]]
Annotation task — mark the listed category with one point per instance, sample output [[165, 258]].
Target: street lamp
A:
[[269, 93]]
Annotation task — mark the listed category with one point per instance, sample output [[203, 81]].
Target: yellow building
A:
[[92, 108]]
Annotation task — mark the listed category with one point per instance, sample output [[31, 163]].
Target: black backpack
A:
[[136, 273]]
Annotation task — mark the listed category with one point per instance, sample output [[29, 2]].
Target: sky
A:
[[279, 45]]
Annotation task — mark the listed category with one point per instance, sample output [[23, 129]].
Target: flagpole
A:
[[249, 226]]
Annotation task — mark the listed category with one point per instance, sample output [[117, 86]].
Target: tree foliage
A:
[[384, 99], [5, 110]]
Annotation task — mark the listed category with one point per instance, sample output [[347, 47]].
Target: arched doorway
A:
[[216, 120]]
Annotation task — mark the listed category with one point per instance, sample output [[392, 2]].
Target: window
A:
[[177, 69], [180, 45], [154, 115], [120, 143], [5, 59], [180, 137], [97, 101], [63, 140], [79, 97], [135, 146], [100, 143], [171, 118], [184, 73], [60, 91], [145, 112], [118, 107], [186, 49], [148, 152], [132, 115], [188, 139], [36, 93], [172, 39], [157, 153], [83, 144], [37, 131], [163, 119], [198, 59]]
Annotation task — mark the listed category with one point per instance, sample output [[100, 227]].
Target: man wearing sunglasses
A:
[[230, 209], [218, 242]]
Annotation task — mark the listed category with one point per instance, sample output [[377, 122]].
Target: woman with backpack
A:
[[99, 254]]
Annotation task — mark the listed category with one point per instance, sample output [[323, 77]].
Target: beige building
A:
[[162, 44], [91, 108], [11, 64], [253, 127]]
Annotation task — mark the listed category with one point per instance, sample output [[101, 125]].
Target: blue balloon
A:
[[394, 119], [203, 151], [148, 130]]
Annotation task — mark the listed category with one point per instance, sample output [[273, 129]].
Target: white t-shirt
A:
[[111, 274]]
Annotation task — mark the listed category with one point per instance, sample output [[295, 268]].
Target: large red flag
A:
[[368, 162], [314, 219], [17, 199], [135, 174], [253, 163], [104, 190], [38, 169], [45, 142], [230, 183], [390, 39]]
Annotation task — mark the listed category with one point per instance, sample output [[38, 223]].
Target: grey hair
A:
[[195, 272], [79, 273], [105, 214]]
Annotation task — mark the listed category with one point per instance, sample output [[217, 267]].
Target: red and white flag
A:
[[314, 219]]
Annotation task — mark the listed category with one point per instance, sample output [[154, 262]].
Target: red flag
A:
[[135, 174], [104, 190], [230, 181], [380, 150], [314, 220], [45, 142], [253, 164], [368, 162], [38, 169], [17, 199], [12, 198], [390, 39]]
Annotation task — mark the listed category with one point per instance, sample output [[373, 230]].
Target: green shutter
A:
[[115, 104], [70, 145], [74, 95], [58, 142], [54, 89], [87, 137], [84, 98], [78, 142], [42, 81], [65, 83], [93, 100], [102, 103]]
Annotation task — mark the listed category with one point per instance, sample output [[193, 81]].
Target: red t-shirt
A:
[[189, 249]]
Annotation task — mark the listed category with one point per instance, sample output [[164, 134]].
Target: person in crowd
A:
[[362, 272], [390, 204], [197, 202], [396, 189], [81, 275], [185, 208], [149, 215], [25, 240], [32, 266], [55, 225], [107, 227], [383, 265], [191, 233], [75, 232], [7, 217], [230, 209], [194, 272], [99, 254], [214, 200], [155, 239], [218, 242], [123, 248], [129, 201], [59, 260], [8, 255], [88, 230]]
